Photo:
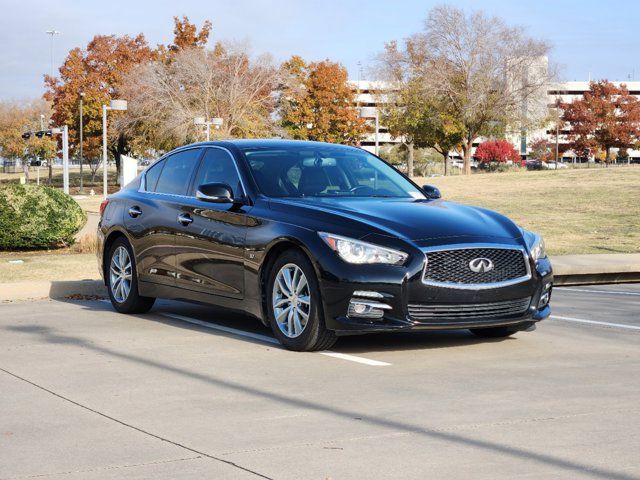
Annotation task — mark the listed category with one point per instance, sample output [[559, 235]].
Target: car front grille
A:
[[427, 312], [452, 267]]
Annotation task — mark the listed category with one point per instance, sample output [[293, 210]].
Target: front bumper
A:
[[400, 287]]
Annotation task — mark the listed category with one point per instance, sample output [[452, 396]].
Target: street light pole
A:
[[52, 33], [104, 151], [216, 122], [65, 159], [81, 157]]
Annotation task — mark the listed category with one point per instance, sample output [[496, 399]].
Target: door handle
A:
[[185, 219], [135, 212]]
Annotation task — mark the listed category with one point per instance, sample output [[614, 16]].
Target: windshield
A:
[[325, 171]]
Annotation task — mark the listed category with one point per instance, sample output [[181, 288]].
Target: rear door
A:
[[210, 243], [151, 218]]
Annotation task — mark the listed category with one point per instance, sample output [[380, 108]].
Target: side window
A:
[[177, 171], [151, 177], [217, 166]]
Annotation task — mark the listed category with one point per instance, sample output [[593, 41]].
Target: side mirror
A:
[[431, 192], [215, 193]]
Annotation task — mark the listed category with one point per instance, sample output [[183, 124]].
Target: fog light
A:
[[544, 299], [359, 308], [367, 309]]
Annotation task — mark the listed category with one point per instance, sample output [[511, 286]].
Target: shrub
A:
[[37, 217], [499, 151]]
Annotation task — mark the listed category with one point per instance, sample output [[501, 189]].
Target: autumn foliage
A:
[[317, 103], [606, 117], [500, 151], [97, 71]]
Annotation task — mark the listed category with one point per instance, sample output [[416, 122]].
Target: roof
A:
[[271, 143]]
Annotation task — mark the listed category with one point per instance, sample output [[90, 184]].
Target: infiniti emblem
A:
[[481, 265]]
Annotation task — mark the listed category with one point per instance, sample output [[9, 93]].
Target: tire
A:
[[501, 332], [313, 335], [122, 300]]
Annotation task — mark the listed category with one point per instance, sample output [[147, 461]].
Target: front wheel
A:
[[122, 280], [294, 305]]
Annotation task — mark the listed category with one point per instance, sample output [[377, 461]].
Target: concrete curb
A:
[[596, 269]]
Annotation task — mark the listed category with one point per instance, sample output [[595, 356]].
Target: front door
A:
[[210, 239]]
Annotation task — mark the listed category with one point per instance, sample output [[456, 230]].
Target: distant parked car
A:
[[144, 163], [536, 164], [556, 165], [38, 163], [457, 163]]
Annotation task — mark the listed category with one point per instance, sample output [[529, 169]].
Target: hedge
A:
[[33, 216]]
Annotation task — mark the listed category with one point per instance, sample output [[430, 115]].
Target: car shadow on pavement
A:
[[354, 344], [50, 335]]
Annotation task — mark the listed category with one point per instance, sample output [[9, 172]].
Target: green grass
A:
[[577, 211], [47, 266]]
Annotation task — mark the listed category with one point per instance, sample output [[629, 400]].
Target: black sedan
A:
[[317, 241]]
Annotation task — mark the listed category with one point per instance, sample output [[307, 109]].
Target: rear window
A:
[[177, 171]]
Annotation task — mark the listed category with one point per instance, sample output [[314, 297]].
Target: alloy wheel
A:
[[291, 300], [120, 274]]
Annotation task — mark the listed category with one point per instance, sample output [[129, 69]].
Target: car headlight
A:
[[357, 251], [535, 244]]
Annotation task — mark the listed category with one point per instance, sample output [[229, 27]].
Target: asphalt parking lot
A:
[[190, 392]]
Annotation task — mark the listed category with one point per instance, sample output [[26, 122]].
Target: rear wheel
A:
[[294, 304], [122, 280]]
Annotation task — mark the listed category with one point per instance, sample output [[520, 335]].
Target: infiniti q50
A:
[[317, 241]]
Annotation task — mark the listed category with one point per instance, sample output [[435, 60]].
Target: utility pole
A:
[[81, 157], [557, 132]]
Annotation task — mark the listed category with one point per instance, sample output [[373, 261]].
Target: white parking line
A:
[[267, 339], [353, 358], [594, 322], [585, 290]]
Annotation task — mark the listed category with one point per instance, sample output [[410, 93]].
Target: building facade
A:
[[369, 93]]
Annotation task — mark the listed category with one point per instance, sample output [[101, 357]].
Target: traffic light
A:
[[26, 135]]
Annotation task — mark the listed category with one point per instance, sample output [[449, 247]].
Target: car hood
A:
[[416, 219]]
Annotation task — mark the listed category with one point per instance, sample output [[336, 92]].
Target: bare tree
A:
[[488, 73], [166, 96], [415, 114]]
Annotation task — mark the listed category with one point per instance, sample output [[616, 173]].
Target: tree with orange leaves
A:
[[606, 117], [97, 71], [316, 103], [186, 35]]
